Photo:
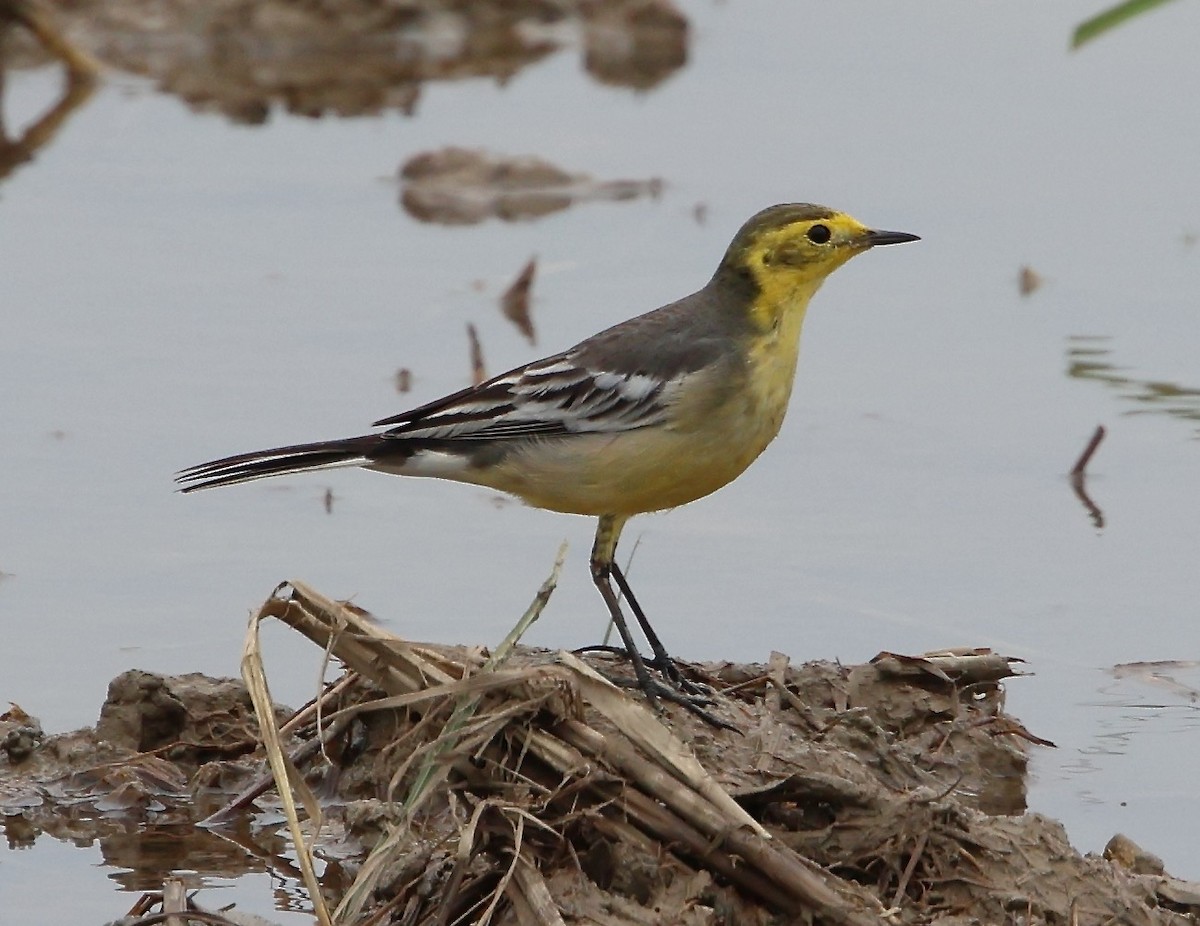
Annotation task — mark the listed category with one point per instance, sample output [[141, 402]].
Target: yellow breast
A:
[[722, 419]]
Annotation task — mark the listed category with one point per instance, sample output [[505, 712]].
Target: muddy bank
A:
[[536, 792]]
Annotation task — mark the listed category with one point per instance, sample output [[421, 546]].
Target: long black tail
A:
[[261, 464]]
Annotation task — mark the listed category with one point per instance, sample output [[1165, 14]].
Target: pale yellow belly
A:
[[631, 472]]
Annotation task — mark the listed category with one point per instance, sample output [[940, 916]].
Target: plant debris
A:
[[515, 301], [478, 367], [1029, 281]]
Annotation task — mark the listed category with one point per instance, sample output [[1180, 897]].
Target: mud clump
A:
[[185, 715]]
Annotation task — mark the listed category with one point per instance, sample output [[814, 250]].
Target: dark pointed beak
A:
[[876, 238]]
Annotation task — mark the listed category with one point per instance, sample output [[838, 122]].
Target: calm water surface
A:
[[176, 287]]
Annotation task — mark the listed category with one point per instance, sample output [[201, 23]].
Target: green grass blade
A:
[[1111, 18]]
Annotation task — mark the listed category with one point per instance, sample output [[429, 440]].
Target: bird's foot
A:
[[674, 686], [654, 690], [664, 666]]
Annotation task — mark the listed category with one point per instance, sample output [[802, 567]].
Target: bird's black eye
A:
[[819, 234]]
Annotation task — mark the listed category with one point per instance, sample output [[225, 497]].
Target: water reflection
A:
[[143, 856], [44, 30], [244, 57], [1143, 698], [80, 83], [461, 186], [1088, 358], [634, 44], [1165, 676]]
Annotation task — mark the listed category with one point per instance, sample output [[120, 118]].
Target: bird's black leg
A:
[[662, 660], [602, 568]]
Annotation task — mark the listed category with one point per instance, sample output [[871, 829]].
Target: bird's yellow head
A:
[[785, 252]]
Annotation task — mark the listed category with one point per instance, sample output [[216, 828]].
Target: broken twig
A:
[[1086, 457], [515, 301], [1078, 477], [478, 370]]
